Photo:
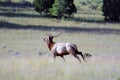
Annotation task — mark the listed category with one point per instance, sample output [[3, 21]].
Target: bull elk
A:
[[61, 49]]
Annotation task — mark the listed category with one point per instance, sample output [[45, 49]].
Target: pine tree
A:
[[58, 8], [43, 5], [111, 10]]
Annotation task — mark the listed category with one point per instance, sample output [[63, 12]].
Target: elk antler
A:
[[55, 35], [58, 34], [48, 34]]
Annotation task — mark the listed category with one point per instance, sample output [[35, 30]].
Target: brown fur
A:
[[50, 46]]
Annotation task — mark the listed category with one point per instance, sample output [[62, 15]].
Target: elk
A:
[[61, 49]]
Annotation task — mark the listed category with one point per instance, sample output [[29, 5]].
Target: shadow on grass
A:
[[79, 19], [76, 19], [20, 5], [7, 25], [91, 20], [6, 14]]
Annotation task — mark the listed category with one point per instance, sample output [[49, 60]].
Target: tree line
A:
[[55, 8], [66, 8]]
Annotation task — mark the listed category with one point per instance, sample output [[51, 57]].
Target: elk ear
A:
[[45, 39]]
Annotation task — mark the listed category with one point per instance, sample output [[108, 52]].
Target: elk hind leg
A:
[[77, 57], [55, 56], [80, 53]]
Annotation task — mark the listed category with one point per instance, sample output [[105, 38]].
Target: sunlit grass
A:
[[31, 41], [25, 56], [20, 59], [44, 67]]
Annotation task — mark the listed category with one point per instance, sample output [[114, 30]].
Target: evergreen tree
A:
[[111, 9], [63, 8], [70, 8], [58, 8], [43, 5]]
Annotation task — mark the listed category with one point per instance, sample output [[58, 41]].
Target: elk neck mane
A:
[[50, 45]]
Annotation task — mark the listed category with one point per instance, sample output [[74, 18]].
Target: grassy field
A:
[[20, 59], [25, 56]]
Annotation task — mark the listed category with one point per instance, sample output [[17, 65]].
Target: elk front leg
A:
[[63, 57], [55, 56]]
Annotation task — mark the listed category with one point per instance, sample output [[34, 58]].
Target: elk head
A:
[[50, 37]]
